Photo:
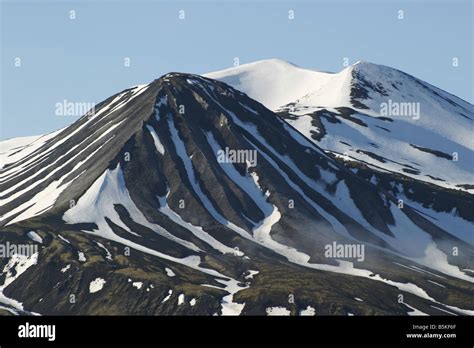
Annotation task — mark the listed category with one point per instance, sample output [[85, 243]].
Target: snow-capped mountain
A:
[[423, 157], [185, 196], [358, 114]]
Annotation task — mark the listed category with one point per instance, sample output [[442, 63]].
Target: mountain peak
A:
[[362, 62], [361, 65], [273, 82], [197, 179], [377, 71]]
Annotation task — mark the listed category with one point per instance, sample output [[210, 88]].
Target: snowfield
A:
[[445, 122]]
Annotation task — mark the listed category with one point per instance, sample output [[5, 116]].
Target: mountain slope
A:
[[423, 158], [138, 201], [345, 113]]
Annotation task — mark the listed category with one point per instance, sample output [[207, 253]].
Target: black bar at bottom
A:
[[291, 331]]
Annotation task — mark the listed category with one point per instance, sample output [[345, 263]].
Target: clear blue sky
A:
[[81, 60]]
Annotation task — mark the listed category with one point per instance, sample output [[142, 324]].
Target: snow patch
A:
[[251, 274], [156, 140], [169, 272], [137, 285], [170, 292], [81, 256], [35, 237], [277, 311], [96, 285], [309, 311]]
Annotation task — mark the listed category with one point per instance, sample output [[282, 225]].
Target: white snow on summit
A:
[[419, 146], [275, 82]]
